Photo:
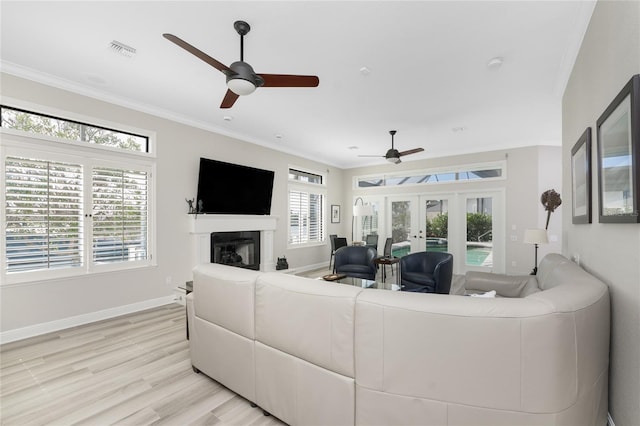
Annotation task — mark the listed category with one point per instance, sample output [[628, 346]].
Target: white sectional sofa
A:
[[319, 353]]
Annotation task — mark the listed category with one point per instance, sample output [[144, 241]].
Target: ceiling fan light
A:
[[394, 160], [240, 86]]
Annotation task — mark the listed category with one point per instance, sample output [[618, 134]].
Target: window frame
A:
[[80, 123], [62, 114], [309, 188], [458, 169], [39, 147]]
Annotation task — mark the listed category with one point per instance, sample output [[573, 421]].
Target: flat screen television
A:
[[226, 188]]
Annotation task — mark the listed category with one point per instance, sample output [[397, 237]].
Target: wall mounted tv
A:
[[225, 188]]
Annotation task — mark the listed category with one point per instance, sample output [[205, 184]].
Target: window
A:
[[47, 125], [119, 214], [306, 207], [43, 214], [466, 173], [72, 210]]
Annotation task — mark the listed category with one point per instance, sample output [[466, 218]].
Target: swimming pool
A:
[[478, 254]]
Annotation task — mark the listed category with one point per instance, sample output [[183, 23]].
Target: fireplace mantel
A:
[[202, 225]]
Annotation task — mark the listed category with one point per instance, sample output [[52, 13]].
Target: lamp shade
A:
[[363, 210], [535, 236], [240, 86]]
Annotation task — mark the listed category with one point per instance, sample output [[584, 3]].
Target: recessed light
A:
[[365, 71], [458, 129], [353, 147], [227, 118], [278, 136]]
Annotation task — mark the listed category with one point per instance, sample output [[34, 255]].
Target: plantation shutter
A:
[[43, 214], [120, 214], [305, 213]]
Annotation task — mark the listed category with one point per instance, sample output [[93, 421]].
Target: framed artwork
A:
[[335, 213], [619, 157], [581, 178]]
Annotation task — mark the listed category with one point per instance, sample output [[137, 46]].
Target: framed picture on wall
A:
[[581, 178], [335, 213], [619, 157]]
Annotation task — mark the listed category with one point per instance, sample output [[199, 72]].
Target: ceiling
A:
[[417, 67]]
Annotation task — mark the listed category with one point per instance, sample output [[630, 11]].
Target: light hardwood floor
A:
[[130, 370]]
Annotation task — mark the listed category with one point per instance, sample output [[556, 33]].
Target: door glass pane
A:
[[400, 227], [369, 224], [437, 225], [479, 232]]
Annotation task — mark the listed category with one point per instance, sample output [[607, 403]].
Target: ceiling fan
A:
[[393, 155], [241, 79]]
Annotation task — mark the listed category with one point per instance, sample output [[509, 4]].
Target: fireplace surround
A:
[[201, 227]]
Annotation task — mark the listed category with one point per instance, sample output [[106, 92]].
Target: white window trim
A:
[[315, 188], [22, 144]]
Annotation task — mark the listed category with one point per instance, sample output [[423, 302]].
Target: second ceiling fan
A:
[[241, 79], [393, 155]]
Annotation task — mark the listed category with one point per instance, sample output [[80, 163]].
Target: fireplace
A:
[[241, 249], [201, 226]]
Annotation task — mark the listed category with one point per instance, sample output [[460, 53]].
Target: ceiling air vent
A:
[[122, 49]]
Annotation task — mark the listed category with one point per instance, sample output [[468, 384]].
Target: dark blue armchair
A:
[[356, 261], [427, 272]]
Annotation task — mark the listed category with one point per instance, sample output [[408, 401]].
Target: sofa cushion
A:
[[424, 347], [504, 285], [548, 265], [310, 319], [224, 295]]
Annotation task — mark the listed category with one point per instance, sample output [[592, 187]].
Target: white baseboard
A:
[[313, 267], [48, 327], [610, 420]]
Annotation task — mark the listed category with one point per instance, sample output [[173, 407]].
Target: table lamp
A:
[[535, 237]]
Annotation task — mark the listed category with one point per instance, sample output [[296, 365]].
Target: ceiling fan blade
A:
[[229, 99], [411, 151], [377, 156], [287, 80], [199, 53]]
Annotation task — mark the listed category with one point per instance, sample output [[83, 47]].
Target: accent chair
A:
[[356, 261], [427, 272]]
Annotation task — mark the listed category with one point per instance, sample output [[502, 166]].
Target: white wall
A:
[[530, 171], [609, 56], [179, 148]]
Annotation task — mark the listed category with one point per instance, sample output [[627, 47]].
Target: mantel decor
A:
[[581, 179], [619, 157]]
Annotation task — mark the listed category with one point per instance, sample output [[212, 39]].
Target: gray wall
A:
[[609, 56], [530, 171], [179, 148]]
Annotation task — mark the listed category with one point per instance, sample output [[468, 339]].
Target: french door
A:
[[469, 225]]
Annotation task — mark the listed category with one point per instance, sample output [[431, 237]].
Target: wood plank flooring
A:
[[129, 370]]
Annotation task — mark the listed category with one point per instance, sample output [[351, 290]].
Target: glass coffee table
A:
[[361, 282]]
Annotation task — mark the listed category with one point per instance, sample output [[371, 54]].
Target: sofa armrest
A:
[[504, 285]]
